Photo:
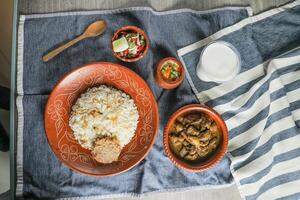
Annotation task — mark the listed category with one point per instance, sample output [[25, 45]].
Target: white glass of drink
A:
[[219, 62]]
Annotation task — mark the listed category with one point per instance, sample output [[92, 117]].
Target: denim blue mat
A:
[[39, 173], [261, 105]]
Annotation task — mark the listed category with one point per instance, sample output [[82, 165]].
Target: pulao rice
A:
[[103, 111]]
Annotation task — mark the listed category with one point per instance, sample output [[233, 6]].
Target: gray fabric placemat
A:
[[39, 172]]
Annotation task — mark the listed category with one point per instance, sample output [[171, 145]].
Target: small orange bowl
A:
[[133, 29], [167, 84], [211, 160]]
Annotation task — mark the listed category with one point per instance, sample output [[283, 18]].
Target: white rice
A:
[[103, 111]]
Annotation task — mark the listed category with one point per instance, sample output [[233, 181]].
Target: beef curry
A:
[[194, 136]]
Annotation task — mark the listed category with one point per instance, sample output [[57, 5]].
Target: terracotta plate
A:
[[60, 136]]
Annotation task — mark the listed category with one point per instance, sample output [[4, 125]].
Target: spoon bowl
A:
[[95, 29]]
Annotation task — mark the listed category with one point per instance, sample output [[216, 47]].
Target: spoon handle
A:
[[58, 50]]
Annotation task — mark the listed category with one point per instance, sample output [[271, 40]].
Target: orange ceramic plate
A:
[[60, 136]]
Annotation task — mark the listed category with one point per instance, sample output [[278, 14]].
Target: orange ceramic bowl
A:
[[57, 113], [134, 29], [161, 81], [211, 160]]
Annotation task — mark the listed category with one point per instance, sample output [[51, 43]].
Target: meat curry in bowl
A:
[[195, 138]]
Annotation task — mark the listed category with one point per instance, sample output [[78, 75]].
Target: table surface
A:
[[45, 6]]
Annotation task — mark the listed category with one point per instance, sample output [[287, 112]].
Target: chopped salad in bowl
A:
[[169, 73], [130, 44]]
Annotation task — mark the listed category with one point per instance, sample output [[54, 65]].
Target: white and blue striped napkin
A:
[[261, 106]]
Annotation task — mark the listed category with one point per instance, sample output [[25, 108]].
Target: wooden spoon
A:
[[93, 30]]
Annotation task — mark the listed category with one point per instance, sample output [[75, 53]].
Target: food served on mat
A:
[[170, 70], [104, 120], [169, 73], [129, 44], [106, 150], [194, 136], [219, 62]]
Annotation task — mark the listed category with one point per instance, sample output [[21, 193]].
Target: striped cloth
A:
[[261, 106]]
